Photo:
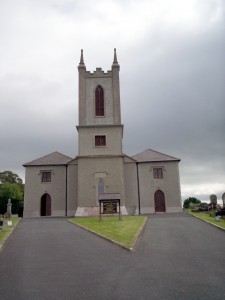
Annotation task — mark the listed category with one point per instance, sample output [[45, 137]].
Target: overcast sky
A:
[[172, 78]]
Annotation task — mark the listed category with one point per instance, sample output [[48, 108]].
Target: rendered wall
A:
[[131, 191], [35, 189], [170, 185], [113, 140], [72, 189], [90, 170], [91, 85]]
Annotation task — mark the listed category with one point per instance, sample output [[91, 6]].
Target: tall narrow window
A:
[[99, 101], [101, 186], [100, 140]]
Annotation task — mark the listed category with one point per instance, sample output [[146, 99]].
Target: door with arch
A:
[[46, 205], [159, 198]]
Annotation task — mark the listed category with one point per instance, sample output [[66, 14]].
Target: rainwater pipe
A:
[[66, 192], [138, 187]]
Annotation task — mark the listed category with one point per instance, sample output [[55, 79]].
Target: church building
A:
[[58, 185]]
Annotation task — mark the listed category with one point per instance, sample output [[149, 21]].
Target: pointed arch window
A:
[[99, 101], [101, 186]]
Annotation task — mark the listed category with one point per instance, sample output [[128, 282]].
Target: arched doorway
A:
[[46, 205], [160, 205]]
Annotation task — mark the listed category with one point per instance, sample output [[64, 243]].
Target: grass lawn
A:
[[206, 217], [6, 230], [124, 231]]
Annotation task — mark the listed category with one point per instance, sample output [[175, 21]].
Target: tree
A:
[[190, 200], [9, 176], [11, 187]]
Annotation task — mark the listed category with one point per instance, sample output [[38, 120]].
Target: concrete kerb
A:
[[139, 232], [3, 242], [207, 221], [111, 240]]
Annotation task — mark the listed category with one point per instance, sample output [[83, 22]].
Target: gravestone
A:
[[213, 202], [9, 208], [213, 199], [1, 224], [223, 198], [9, 223]]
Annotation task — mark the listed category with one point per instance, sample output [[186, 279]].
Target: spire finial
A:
[[81, 64], [115, 57], [115, 61], [81, 58]]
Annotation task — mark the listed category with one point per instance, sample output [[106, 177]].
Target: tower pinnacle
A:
[[81, 64], [115, 57], [115, 62]]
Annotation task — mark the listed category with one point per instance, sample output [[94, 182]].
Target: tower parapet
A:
[[98, 73], [109, 83]]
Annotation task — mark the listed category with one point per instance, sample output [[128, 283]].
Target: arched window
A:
[[101, 186], [99, 101]]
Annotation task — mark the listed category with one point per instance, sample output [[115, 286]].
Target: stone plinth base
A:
[[123, 210], [87, 211], [92, 211], [174, 209], [151, 210]]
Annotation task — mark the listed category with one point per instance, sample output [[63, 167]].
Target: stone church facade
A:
[[58, 185]]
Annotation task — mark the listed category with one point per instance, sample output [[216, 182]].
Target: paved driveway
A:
[[177, 257]]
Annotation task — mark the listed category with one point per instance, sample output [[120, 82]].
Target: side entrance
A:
[[159, 198], [46, 205]]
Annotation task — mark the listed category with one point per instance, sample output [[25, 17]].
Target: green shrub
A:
[[190, 200]]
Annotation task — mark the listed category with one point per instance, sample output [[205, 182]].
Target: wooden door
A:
[[160, 205], [46, 205]]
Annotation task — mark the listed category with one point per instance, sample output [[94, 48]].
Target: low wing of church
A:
[[58, 185]]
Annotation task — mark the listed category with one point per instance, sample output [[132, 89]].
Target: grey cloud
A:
[[179, 98], [172, 82]]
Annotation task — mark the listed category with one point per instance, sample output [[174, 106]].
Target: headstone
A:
[[218, 218], [223, 198], [9, 208], [213, 199], [9, 223]]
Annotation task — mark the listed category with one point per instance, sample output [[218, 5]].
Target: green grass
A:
[[206, 217], [124, 231], [6, 230]]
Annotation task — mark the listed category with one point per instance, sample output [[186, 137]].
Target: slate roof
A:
[[51, 159], [150, 155]]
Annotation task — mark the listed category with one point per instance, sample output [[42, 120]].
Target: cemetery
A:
[[213, 207], [7, 223], [7, 216], [212, 212]]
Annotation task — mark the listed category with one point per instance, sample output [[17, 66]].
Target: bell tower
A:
[[100, 133]]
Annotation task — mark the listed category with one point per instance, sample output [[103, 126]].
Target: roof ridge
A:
[[161, 153], [42, 158], [150, 155]]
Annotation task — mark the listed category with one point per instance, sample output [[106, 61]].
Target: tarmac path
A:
[[177, 257]]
